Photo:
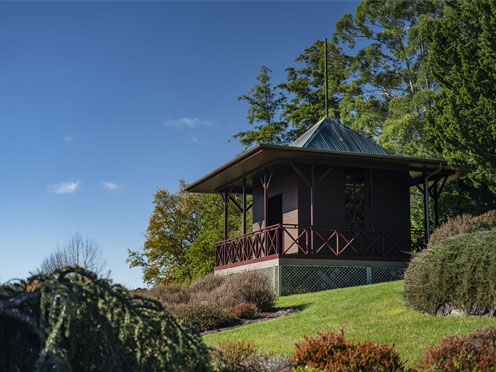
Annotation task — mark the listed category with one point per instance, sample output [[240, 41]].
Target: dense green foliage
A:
[[462, 60], [181, 234], [474, 352], [379, 81], [72, 321], [330, 352], [456, 273], [264, 103]]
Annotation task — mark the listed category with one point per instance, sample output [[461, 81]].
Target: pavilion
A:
[[332, 209]]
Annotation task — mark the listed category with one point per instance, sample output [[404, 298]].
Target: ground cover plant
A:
[[374, 312], [215, 301], [454, 274], [70, 320]]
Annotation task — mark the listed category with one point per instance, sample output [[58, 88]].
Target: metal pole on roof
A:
[[326, 87], [243, 221]]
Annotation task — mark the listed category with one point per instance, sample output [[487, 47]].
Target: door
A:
[[274, 211]]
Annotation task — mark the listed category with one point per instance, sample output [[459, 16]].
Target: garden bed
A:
[[261, 316]]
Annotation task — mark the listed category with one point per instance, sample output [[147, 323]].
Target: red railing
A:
[[296, 240]]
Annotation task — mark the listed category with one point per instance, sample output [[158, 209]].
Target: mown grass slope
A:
[[376, 312]]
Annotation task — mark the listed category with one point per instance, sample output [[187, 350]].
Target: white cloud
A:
[[107, 185], [68, 139], [186, 122], [68, 187]]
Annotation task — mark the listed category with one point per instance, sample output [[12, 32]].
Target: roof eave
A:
[[257, 150]]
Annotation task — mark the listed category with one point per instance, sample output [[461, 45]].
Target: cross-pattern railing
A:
[[288, 239]]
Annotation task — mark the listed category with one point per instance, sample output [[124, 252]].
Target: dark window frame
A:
[[356, 198]]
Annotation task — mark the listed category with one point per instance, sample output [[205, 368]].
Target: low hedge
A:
[[202, 317], [457, 273]]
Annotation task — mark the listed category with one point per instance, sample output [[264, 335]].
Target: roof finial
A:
[[326, 88]]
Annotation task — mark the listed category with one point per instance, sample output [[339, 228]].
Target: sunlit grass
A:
[[376, 312]]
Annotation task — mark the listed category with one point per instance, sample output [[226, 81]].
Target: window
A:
[[355, 198]]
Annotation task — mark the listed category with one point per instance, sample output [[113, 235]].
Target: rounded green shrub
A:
[[457, 273]]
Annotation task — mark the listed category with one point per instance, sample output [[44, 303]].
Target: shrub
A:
[[243, 356], [463, 224], [474, 352], [244, 311], [71, 320], [207, 284], [224, 291], [203, 317], [456, 273], [252, 287], [171, 294], [213, 293], [329, 351], [228, 356]]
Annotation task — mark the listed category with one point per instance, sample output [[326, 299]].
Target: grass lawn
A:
[[376, 312]]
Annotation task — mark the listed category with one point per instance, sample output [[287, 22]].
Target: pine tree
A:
[[265, 102]]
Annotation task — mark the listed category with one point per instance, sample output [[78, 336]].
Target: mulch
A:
[[261, 316]]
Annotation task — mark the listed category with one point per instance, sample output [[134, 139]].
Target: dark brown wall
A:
[[328, 197], [283, 182], [390, 200]]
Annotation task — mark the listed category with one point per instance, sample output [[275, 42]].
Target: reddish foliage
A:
[[329, 351], [244, 311], [474, 352]]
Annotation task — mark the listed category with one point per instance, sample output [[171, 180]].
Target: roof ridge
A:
[[315, 131], [330, 134]]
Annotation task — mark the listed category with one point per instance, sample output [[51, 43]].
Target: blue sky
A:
[[103, 102]]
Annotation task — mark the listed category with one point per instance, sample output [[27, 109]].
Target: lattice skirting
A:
[[292, 279]]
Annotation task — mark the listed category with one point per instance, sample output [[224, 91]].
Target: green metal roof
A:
[[329, 134]]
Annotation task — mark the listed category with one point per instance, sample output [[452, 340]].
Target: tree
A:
[[305, 87], [389, 89], [78, 251], [264, 103], [181, 234], [463, 61], [379, 82], [70, 320]]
